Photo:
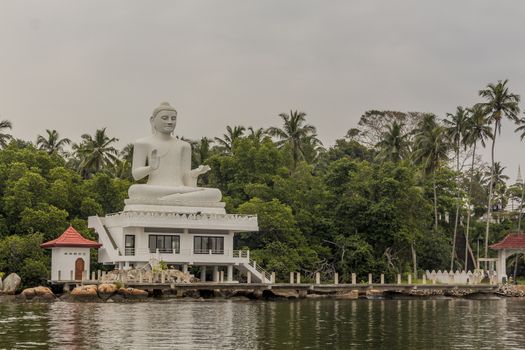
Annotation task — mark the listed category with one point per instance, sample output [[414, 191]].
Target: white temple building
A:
[[169, 218]]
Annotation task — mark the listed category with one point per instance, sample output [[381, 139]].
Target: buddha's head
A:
[[164, 119]]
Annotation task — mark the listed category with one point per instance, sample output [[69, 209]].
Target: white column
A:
[[248, 277], [229, 273], [216, 273], [203, 273], [502, 265], [185, 268]]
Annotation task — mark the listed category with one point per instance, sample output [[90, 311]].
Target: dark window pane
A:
[[152, 245], [203, 244]]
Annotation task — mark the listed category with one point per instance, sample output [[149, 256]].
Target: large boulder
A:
[[11, 283], [87, 292], [348, 295], [178, 276], [133, 293], [37, 294], [110, 276], [285, 293], [106, 290]]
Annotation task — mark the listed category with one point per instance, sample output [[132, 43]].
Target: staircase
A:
[[257, 272], [108, 243]]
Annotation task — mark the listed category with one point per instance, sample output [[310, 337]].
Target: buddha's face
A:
[[165, 121]]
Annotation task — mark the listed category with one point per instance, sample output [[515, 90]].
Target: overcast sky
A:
[[76, 66]]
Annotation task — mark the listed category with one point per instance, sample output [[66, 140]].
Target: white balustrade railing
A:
[[263, 272], [238, 254]]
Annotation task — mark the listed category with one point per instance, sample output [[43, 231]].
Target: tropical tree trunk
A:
[[435, 204], [453, 253], [414, 259], [468, 205], [489, 208]]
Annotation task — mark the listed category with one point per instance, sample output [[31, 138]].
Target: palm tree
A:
[[500, 179], [228, 139], [477, 130], [455, 128], [127, 153], [394, 144], [4, 137], [296, 134], [257, 134], [95, 152], [202, 150], [52, 143], [431, 149], [521, 128], [500, 103]]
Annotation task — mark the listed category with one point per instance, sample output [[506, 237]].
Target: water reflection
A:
[[378, 324]]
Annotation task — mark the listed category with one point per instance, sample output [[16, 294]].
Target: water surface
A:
[[303, 324]]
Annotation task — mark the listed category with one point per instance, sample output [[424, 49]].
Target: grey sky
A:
[[76, 66]]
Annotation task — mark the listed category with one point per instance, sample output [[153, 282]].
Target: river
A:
[[301, 324]]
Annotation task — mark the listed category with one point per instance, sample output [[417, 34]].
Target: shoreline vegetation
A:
[[398, 193]]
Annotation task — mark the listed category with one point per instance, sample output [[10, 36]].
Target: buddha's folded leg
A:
[[197, 194], [149, 191]]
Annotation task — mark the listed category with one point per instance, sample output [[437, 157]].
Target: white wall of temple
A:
[[63, 259], [186, 254]]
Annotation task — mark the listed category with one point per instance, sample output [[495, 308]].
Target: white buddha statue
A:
[[166, 161]]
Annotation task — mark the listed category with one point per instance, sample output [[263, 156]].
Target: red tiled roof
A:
[[71, 238], [511, 241]]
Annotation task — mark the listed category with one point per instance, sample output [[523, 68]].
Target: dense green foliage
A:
[[389, 197]]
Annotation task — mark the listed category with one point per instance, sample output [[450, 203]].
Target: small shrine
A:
[[513, 243], [70, 256]]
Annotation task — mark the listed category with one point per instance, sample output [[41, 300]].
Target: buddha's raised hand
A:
[[201, 169], [154, 160]]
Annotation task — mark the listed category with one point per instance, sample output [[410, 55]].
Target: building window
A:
[[129, 245], [203, 245], [164, 243]]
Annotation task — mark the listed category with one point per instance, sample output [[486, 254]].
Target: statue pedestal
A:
[[142, 205]]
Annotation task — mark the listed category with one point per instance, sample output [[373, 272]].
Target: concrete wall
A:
[[63, 259]]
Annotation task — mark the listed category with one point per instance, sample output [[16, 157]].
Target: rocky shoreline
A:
[[111, 292]]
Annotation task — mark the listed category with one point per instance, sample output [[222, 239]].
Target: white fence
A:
[[460, 277]]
